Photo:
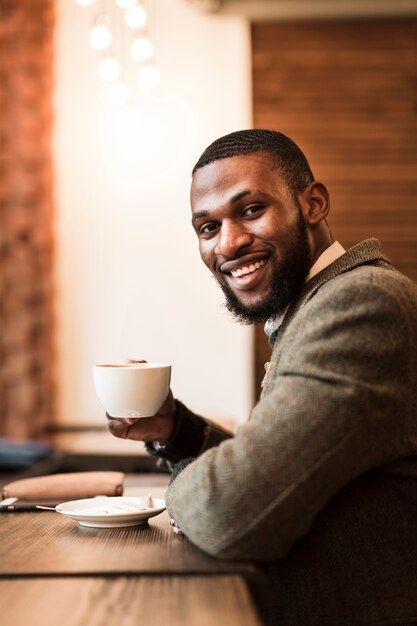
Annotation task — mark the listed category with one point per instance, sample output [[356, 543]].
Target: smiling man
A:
[[253, 230], [253, 234], [320, 484]]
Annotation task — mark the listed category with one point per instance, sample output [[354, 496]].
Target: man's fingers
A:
[[142, 429], [146, 428], [118, 428], [156, 428]]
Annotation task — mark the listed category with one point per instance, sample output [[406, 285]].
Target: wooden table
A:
[[54, 570]]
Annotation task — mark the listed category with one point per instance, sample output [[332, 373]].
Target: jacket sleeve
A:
[[192, 436], [335, 408]]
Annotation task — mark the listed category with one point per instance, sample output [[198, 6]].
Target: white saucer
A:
[[101, 512]]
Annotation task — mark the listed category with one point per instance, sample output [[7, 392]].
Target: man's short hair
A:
[[286, 154]]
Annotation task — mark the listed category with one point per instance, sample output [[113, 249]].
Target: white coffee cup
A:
[[133, 389]]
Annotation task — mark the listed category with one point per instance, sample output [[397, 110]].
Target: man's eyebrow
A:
[[198, 214], [240, 195]]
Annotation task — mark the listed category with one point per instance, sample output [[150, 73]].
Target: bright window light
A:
[[117, 94], [125, 4], [109, 69], [149, 76]]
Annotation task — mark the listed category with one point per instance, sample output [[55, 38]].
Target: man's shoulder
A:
[[363, 282], [373, 280], [365, 304], [369, 290], [365, 264]]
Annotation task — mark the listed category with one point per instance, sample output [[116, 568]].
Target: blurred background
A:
[[105, 107]]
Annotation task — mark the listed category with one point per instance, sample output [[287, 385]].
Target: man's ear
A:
[[315, 201]]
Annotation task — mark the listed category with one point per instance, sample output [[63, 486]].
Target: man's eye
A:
[[252, 209], [205, 229]]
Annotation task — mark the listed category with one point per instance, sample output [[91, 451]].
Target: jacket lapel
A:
[[368, 252]]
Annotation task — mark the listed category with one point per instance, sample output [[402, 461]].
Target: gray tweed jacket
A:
[[320, 485]]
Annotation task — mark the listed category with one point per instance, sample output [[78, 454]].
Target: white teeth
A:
[[247, 269]]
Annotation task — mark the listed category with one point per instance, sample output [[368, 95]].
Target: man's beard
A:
[[287, 282]]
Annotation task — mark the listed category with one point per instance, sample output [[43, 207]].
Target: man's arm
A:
[[192, 436], [174, 434], [336, 408]]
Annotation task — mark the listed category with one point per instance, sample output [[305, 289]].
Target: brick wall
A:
[[26, 55]]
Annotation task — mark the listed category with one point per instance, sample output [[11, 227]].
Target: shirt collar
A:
[[333, 252]]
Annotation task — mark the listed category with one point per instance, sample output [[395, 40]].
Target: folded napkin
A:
[[71, 486]]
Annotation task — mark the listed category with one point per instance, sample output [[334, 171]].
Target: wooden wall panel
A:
[[346, 92]]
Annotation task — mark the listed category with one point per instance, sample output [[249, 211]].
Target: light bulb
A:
[[100, 37], [141, 49], [135, 17], [149, 76], [109, 69], [86, 3], [117, 94], [125, 4]]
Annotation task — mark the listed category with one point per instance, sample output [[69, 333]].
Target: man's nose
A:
[[231, 239]]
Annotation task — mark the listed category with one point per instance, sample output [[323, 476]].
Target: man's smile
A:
[[247, 269], [244, 273], [244, 263]]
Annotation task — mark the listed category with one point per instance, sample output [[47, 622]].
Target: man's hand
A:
[[160, 427]]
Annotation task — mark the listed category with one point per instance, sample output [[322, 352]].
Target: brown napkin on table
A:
[[71, 486]]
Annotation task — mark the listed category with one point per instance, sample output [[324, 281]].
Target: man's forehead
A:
[[232, 175]]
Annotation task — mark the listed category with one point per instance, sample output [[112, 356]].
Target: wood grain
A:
[[346, 92], [127, 601], [49, 543], [53, 571]]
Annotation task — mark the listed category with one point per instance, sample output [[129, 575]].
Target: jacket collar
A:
[[366, 252]]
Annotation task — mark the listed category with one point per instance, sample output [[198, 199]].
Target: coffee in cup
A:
[[131, 390]]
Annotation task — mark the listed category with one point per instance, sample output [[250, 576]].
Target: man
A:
[[321, 483]]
